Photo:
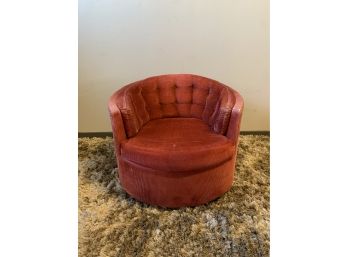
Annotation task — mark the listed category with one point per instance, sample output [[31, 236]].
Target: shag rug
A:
[[111, 223]]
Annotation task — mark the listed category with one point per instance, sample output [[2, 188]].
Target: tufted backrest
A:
[[181, 95]]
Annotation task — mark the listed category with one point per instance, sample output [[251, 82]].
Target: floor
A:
[[111, 223]]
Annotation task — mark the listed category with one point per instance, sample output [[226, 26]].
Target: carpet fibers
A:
[[111, 223]]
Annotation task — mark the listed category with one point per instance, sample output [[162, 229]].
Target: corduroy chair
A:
[[176, 138]]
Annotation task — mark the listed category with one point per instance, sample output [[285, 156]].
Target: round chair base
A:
[[175, 189]]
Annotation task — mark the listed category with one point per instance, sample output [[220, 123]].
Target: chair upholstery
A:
[[176, 138]]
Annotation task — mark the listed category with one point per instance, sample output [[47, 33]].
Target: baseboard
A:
[[109, 134], [256, 132], [95, 134]]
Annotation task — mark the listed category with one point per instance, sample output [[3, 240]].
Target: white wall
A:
[[124, 41]]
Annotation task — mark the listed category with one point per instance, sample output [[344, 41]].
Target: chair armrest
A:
[[118, 130], [235, 119]]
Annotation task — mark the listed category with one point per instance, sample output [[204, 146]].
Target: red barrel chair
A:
[[176, 138]]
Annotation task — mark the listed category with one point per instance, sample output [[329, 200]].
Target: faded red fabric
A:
[[161, 143], [179, 125], [173, 189]]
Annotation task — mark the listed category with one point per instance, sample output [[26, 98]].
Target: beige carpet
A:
[[113, 224]]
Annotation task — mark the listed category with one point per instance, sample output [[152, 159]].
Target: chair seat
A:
[[177, 144]]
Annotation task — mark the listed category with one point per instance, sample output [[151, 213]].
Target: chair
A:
[[176, 138]]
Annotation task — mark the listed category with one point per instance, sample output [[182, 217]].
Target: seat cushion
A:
[[177, 144]]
